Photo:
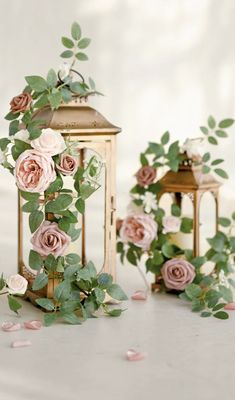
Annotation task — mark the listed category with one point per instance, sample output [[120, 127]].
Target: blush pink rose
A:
[[49, 239], [177, 273], [68, 164], [146, 175], [171, 224], [16, 284], [140, 229], [49, 142], [34, 171]]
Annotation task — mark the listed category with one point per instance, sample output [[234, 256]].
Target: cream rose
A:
[[34, 171], [171, 224], [50, 142], [16, 284], [49, 239], [140, 229]]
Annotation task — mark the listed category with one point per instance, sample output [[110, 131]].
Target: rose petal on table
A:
[[10, 326], [133, 355], [35, 324], [229, 306], [21, 343], [139, 295]]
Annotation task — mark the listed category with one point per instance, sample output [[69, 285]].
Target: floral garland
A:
[[148, 231], [41, 162]]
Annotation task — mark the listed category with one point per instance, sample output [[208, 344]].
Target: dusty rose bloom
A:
[[68, 164], [177, 273], [34, 171], [171, 224], [21, 103], [146, 175], [140, 229], [49, 239]]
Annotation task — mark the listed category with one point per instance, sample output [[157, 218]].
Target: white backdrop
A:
[[162, 64]]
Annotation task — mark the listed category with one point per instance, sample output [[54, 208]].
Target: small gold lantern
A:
[[93, 134]]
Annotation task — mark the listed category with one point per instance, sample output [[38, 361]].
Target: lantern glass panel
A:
[[207, 220]]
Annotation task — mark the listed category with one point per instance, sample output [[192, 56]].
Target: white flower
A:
[[149, 202], [22, 135], [223, 279], [16, 284], [171, 224], [193, 147], [64, 70], [49, 143]]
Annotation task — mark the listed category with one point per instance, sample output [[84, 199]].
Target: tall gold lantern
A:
[[85, 126]]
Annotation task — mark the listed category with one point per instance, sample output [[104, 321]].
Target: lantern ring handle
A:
[[73, 70]]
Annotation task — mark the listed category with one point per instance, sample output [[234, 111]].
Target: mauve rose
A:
[[140, 229], [49, 142], [146, 175], [68, 164], [49, 239], [171, 224], [21, 103], [34, 171], [177, 273], [16, 284]]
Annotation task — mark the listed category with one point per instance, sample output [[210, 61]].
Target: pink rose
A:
[[50, 142], [34, 171], [16, 284], [146, 175], [68, 164], [140, 229], [177, 273], [49, 239], [171, 224]]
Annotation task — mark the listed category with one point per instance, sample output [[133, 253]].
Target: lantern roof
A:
[[76, 116], [188, 178]]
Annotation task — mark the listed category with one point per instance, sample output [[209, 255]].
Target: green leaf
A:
[[226, 123], [197, 305], [204, 130], [42, 101], [217, 161], [74, 233], [50, 263], [69, 215], [158, 259], [71, 318], [49, 319], [217, 242], [165, 138], [116, 292], [72, 258], [205, 169], [81, 56], [175, 210], [55, 99], [76, 87], [14, 305], [104, 280], [13, 127], [64, 224], [91, 83], [67, 54], [227, 293], [211, 122], [219, 306], [84, 43], [221, 134], [35, 220], [60, 203], [143, 159], [4, 143], [66, 95], [193, 291], [173, 151], [37, 83], [221, 173], [86, 191], [51, 78], [169, 250], [221, 315], [55, 186], [76, 31], [224, 222], [35, 260], [46, 303], [183, 296], [40, 281], [206, 314], [206, 157], [131, 257], [62, 291], [67, 42], [10, 116], [80, 205], [186, 225], [99, 295], [212, 297], [115, 313], [212, 140], [29, 196], [30, 206]]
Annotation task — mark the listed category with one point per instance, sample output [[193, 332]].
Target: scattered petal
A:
[[109, 300], [10, 326], [35, 324], [133, 355], [21, 343], [229, 306], [139, 295]]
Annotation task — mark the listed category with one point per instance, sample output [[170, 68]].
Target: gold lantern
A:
[[92, 134], [191, 182]]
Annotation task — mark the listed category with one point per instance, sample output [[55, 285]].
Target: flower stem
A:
[[143, 277]]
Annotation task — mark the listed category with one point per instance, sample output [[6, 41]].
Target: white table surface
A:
[[188, 357]]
